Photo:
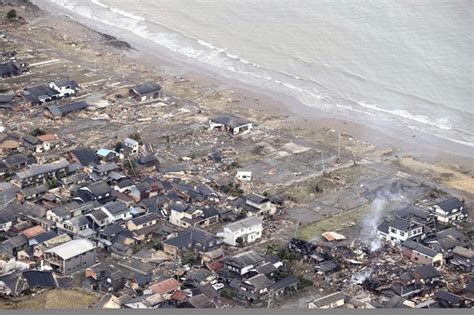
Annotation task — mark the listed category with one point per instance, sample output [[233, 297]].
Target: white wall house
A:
[[133, 145], [399, 230], [244, 176], [64, 87], [249, 229], [449, 211], [232, 124]]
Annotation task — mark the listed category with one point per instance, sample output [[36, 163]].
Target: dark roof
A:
[[65, 82], [260, 282], [411, 211], [43, 237], [85, 156], [116, 207], [145, 218], [245, 259], [266, 268], [6, 98], [31, 139], [99, 188], [383, 227], [284, 283], [112, 229], [99, 214], [147, 160], [147, 88], [230, 120], [255, 198], [427, 271], [13, 160], [401, 224], [59, 111], [191, 236], [39, 279], [450, 204], [35, 93], [449, 297], [425, 251]]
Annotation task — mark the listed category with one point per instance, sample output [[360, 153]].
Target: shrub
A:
[[11, 15]]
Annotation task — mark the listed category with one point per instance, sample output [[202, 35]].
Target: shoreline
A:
[[165, 63]]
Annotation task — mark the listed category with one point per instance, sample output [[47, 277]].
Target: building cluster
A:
[[144, 241], [425, 260]]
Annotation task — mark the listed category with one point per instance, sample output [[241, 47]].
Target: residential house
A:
[[247, 230], [334, 300], [16, 162], [256, 205], [143, 221], [420, 254], [117, 210], [400, 230], [38, 95], [79, 225], [191, 240], [13, 69], [64, 87], [446, 240], [146, 92], [49, 141], [189, 215], [285, 286], [100, 219], [7, 101], [84, 156], [56, 111], [38, 175], [70, 257], [243, 263], [132, 145], [231, 124], [463, 258], [9, 143], [98, 191], [32, 143], [33, 193], [450, 211], [426, 275]]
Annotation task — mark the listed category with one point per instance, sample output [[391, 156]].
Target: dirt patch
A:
[[54, 299], [447, 175]]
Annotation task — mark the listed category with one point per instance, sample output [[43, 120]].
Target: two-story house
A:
[[117, 210], [143, 221], [191, 240], [243, 263], [247, 230], [399, 230], [191, 216], [99, 191], [70, 257], [38, 175], [64, 87], [256, 205], [450, 210]]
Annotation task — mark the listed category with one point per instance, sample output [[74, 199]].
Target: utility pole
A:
[[339, 147], [296, 229], [322, 162], [270, 299]]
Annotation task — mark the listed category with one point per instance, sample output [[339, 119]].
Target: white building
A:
[[244, 176], [64, 87], [400, 230], [133, 145], [449, 211], [249, 230]]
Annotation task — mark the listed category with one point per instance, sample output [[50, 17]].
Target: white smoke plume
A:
[[378, 208]]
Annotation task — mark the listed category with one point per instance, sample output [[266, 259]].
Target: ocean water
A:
[[407, 63]]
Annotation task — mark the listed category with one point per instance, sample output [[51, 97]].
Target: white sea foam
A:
[[325, 55]]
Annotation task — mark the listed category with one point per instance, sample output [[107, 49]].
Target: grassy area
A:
[[53, 299], [448, 176], [334, 223]]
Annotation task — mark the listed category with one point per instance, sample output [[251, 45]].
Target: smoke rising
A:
[[378, 208]]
